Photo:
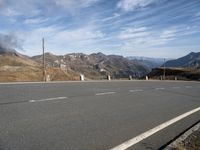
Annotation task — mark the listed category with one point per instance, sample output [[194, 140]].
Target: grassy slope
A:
[[19, 68]]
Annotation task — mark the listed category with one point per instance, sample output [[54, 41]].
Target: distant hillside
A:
[[147, 61], [96, 65], [13, 58], [190, 60], [17, 67], [172, 73], [184, 68]]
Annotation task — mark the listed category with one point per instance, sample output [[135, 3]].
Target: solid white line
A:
[[159, 88], [150, 132], [107, 93], [136, 90], [48, 99]]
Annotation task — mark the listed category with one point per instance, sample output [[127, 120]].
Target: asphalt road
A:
[[93, 115]]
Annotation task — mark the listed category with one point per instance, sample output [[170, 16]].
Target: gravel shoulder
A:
[[190, 140]]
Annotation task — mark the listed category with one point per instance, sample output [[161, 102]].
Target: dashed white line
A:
[[150, 132], [107, 93], [159, 88], [188, 87], [139, 90], [48, 99], [176, 87]]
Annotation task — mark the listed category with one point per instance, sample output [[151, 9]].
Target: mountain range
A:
[[191, 60], [147, 61], [184, 68], [96, 65], [17, 67]]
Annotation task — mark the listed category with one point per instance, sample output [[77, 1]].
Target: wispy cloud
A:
[[146, 39], [167, 34], [131, 33], [35, 21], [78, 3], [10, 12], [72, 39], [107, 25], [86, 3], [114, 16], [130, 5], [153, 39]]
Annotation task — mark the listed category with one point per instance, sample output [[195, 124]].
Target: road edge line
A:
[[150, 132]]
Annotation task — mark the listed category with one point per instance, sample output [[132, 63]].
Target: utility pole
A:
[[44, 68], [164, 70]]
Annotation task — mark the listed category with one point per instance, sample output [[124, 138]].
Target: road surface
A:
[[95, 115]]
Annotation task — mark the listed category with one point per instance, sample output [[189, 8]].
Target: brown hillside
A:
[[179, 73]]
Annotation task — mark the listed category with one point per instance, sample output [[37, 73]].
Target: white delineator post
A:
[[147, 78], [108, 77], [82, 78]]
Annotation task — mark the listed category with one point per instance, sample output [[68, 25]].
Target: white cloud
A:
[[59, 39], [19, 8], [86, 3], [82, 34], [167, 34], [131, 33], [33, 8], [130, 5], [65, 3], [140, 38], [10, 12], [133, 30], [35, 21], [115, 15], [72, 3]]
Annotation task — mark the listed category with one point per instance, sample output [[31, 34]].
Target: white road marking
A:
[[150, 132], [139, 90], [176, 87], [159, 88], [48, 99], [188, 87], [107, 93]]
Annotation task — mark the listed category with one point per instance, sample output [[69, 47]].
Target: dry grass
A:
[[29, 73], [23, 73], [15, 68], [16, 61]]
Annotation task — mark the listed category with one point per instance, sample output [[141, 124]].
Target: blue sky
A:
[[152, 28]]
